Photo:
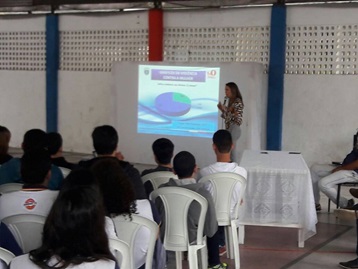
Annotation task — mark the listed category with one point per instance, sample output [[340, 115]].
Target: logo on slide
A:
[[211, 73], [146, 71], [30, 204]]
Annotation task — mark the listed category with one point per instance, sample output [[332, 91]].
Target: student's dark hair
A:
[[163, 150], [184, 164], [223, 141], [5, 136], [235, 90], [34, 139], [35, 166], [105, 139], [74, 231], [54, 142], [116, 188]]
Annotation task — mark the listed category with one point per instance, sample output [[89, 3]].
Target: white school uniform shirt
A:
[[27, 202], [23, 261], [219, 167], [144, 209]]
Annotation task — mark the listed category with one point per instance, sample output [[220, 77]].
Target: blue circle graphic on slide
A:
[[173, 104]]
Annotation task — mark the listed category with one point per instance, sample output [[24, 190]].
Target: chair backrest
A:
[[158, 178], [224, 185], [6, 255], [65, 171], [10, 187], [128, 230], [27, 230], [122, 253], [176, 201]]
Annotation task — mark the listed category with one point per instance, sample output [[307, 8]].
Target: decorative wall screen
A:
[[325, 49], [311, 49], [96, 50], [23, 51], [224, 44]]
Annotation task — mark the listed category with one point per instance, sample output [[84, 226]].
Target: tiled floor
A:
[[332, 244]]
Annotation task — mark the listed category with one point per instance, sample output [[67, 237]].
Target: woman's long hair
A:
[[117, 190], [235, 91], [74, 230], [5, 136]]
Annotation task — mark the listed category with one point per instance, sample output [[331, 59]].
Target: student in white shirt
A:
[[34, 198], [222, 146], [74, 234]]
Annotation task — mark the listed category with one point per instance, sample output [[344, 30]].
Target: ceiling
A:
[[8, 7]]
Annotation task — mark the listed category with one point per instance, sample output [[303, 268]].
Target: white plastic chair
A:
[[158, 178], [65, 171], [122, 252], [10, 187], [6, 255], [176, 201], [127, 230], [27, 230], [224, 185]]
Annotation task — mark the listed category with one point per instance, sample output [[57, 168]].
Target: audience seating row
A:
[[27, 229]]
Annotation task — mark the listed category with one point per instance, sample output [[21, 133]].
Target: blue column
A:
[[276, 77], [52, 65]]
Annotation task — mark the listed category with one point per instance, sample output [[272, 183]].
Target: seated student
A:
[[5, 136], [163, 150], [222, 146], [74, 233], [325, 178], [105, 141], [34, 198], [119, 199], [55, 150], [34, 139], [185, 167]]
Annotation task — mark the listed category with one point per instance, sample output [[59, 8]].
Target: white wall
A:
[[319, 115], [22, 93], [84, 97], [218, 18]]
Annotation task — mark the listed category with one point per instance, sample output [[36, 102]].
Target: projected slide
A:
[[178, 100]]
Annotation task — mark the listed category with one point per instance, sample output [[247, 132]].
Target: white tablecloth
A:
[[279, 191]]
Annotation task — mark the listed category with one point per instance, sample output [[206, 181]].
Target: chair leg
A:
[[241, 234], [178, 259], [204, 257], [356, 231], [230, 247], [235, 242], [329, 205], [193, 258], [338, 194], [227, 242]]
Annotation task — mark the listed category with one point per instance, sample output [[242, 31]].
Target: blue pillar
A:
[[52, 65], [276, 78]]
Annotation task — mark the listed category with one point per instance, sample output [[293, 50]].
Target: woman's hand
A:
[[220, 107]]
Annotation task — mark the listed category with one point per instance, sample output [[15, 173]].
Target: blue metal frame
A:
[[276, 78], [52, 65]]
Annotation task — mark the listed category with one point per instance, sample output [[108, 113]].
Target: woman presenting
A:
[[232, 114]]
